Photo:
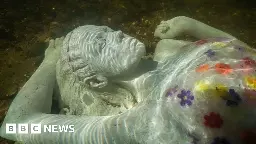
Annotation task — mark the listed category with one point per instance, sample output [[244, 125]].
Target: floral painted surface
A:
[[201, 42], [251, 82], [223, 68], [186, 97], [219, 44], [202, 85], [246, 65], [233, 98], [210, 53], [213, 120], [219, 91], [203, 68]]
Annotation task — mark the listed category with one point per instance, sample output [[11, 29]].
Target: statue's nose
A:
[[119, 34]]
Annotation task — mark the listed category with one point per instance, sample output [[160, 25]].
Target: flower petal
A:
[[189, 102], [182, 103], [191, 97], [206, 117]]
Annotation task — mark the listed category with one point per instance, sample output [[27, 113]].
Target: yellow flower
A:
[[221, 90], [202, 85], [251, 82], [219, 44], [206, 87]]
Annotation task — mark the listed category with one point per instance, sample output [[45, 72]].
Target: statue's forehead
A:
[[90, 32]]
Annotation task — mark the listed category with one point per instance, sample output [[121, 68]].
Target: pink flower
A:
[[201, 42], [249, 62], [246, 65]]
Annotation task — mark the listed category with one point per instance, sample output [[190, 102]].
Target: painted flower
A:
[[186, 98], [222, 68], [172, 91], [220, 140], [213, 120], [218, 90], [247, 65], [249, 62], [234, 99], [221, 90], [202, 85], [250, 96], [246, 69], [219, 44], [251, 82], [201, 42], [203, 68], [210, 53]]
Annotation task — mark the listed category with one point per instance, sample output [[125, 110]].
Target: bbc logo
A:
[[12, 128]]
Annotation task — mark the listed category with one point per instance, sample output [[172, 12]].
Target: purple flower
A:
[[172, 91], [186, 98], [220, 140], [234, 98], [210, 53]]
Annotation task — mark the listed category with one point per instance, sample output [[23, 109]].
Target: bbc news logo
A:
[[12, 128]]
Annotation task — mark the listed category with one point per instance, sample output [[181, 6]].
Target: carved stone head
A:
[[97, 52]]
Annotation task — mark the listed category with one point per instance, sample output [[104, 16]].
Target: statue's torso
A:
[[208, 78]]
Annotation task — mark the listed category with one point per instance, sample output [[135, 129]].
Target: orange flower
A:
[[223, 68], [202, 68]]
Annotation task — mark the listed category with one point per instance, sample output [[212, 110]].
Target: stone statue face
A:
[[108, 52]]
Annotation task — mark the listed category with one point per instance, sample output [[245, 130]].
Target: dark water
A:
[[27, 25]]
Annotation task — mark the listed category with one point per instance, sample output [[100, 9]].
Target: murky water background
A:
[[26, 27]]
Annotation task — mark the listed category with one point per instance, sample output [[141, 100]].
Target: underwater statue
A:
[[201, 92]]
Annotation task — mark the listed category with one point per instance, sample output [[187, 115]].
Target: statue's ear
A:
[[98, 81]]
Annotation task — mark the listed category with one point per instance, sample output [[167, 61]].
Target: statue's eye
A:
[[103, 43]]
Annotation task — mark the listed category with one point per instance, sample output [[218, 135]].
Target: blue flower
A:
[[186, 98], [210, 53], [220, 140], [234, 98]]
